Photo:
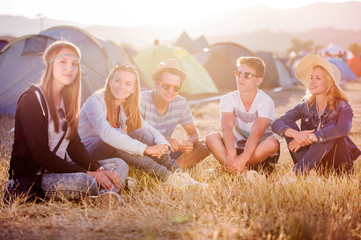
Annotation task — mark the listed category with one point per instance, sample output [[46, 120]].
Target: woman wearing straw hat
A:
[[326, 120]]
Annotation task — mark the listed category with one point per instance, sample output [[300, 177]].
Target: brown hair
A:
[[333, 93], [70, 93], [131, 103], [253, 62]]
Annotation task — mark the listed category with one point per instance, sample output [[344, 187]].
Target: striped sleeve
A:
[[186, 115]]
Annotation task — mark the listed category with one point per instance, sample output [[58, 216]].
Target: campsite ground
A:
[[229, 209]]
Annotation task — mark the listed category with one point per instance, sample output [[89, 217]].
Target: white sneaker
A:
[[209, 174], [187, 176], [181, 179], [130, 184], [253, 176], [105, 199], [313, 179], [286, 180]]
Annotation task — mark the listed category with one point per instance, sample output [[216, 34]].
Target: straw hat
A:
[[169, 64], [307, 63]]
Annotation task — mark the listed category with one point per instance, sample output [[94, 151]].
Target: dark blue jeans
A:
[[332, 155]]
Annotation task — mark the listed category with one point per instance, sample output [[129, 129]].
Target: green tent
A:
[[198, 80]]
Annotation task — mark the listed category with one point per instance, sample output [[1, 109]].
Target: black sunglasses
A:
[[64, 124], [246, 75]]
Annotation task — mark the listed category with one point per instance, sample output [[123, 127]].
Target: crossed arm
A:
[[234, 163], [185, 145]]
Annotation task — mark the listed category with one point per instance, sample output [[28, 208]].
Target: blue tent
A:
[[346, 72]]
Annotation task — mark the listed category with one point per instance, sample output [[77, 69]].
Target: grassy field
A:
[[230, 208]]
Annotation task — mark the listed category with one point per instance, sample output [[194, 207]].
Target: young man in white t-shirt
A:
[[247, 141]]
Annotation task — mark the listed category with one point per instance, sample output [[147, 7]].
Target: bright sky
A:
[[134, 12]]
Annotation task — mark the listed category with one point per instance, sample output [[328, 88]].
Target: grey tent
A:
[[94, 61], [284, 73], [20, 65], [128, 50], [98, 56], [20, 62], [184, 41], [118, 54], [201, 42], [113, 51], [277, 73], [4, 40], [220, 61], [271, 78]]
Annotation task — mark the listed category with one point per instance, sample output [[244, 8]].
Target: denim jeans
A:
[[331, 155], [160, 167], [74, 186]]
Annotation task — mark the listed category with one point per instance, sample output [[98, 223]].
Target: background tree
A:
[[300, 46], [355, 49]]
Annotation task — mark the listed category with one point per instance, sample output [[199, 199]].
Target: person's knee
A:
[[201, 144], [116, 164], [212, 138], [201, 148], [85, 183], [143, 135], [271, 145], [123, 166], [84, 178]]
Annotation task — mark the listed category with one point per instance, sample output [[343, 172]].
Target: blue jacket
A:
[[329, 126]]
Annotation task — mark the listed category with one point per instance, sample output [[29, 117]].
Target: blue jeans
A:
[[74, 186], [160, 167], [331, 155]]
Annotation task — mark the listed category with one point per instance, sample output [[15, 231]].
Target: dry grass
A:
[[229, 209]]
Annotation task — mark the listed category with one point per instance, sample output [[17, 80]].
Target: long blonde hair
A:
[[333, 93], [131, 103], [70, 93]]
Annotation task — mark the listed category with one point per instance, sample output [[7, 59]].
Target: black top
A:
[[31, 152]]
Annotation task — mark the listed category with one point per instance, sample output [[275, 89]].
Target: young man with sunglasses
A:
[[164, 109], [247, 141]]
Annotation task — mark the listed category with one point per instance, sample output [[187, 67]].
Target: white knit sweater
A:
[[93, 124]]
